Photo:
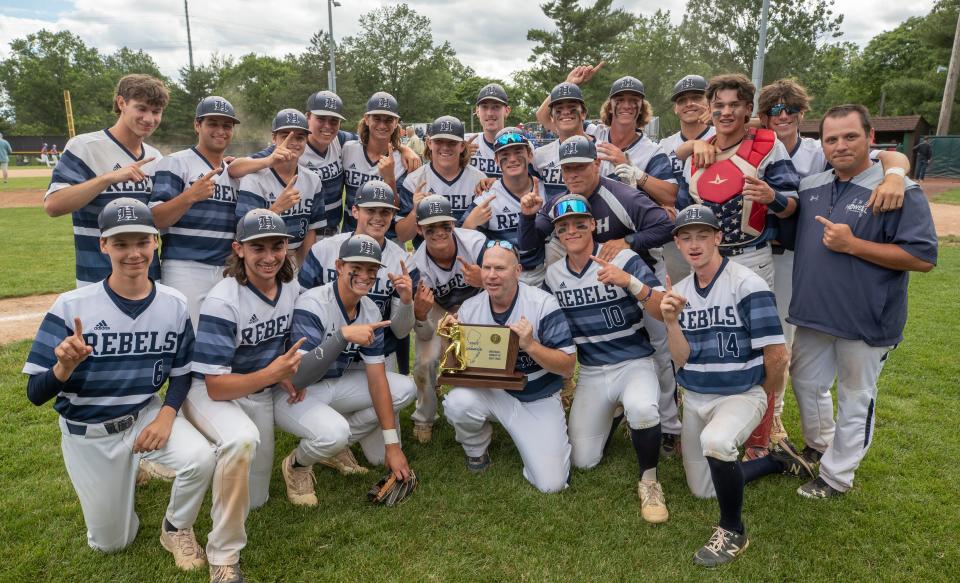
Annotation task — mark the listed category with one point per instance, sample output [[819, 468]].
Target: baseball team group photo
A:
[[606, 292]]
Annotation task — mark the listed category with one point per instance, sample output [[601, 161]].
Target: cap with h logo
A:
[[696, 214], [216, 105], [125, 215], [361, 249], [566, 92], [492, 92], [260, 224], [373, 194], [382, 103], [627, 84], [290, 119], [446, 127], [434, 209], [326, 103], [577, 150]]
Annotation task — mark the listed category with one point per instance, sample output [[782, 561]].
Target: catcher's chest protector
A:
[[720, 187]]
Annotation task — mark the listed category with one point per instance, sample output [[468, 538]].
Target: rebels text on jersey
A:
[[85, 157], [358, 169], [261, 189], [205, 232], [504, 223]]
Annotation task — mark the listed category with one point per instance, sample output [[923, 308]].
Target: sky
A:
[[493, 41]]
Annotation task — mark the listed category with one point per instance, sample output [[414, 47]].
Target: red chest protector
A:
[[720, 187]]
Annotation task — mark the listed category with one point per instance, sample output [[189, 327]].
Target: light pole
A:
[[332, 73], [761, 54]]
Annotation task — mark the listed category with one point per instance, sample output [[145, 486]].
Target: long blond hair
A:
[[363, 130], [464, 154], [236, 269], [643, 117]]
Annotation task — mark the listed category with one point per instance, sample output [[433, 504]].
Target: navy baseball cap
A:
[[125, 215], [577, 149], [361, 249], [694, 83], [374, 194], [325, 103], [290, 119], [627, 84], [215, 105], [511, 136], [434, 209], [446, 127], [569, 205], [696, 214], [260, 224], [383, 103], [566, 92], [492, 92]]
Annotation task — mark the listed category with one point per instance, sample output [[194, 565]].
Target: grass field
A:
[[901, 521], [25, 183], [36, 253], [948, 197]]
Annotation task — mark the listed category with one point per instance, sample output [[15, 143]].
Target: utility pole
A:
[[186, 12], [332, 73], [68, 107], [761, 54], [946, 108]]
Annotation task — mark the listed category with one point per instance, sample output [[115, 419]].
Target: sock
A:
[[758, 468], [169, 527], [296, 463], [646, 443], [728, 482]]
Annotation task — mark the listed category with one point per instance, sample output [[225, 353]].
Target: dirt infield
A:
[[20, 317], [30, 172], [21, 198]]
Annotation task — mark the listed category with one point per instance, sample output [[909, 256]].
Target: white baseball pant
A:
[[538, 429], [783, 290], [600, 389], [716, 426], [818, 359], [103, 469], [338, 412], [194, 280], [241, 430]]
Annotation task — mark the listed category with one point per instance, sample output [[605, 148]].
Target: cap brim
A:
[[235, 120], [676, 96], [437, 219], [326, 113], [361, 259], [121, 229], [266, 236], [382, 205], [383, 112], [576, 160], [451, 137], [678, 228], [296, 128], [491, 98], [562, 99], [634, 91], [568, 215]]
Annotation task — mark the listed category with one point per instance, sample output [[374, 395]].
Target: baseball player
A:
[[851, 272], [241, 357], [496, 212], [493, 108], [349, 400], [447, 172], [600, 302], [534, 416], [782, 105], [5, 152], [448, 262], [283, 189], [376, 155], [567, 113], [194, 204], [54, 155], [44, 155], [727, 344], [104, 351], [100, 166]]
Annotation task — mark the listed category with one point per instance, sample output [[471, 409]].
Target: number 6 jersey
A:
[[727, 325]]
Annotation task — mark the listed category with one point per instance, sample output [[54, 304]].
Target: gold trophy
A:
[[479, 356]]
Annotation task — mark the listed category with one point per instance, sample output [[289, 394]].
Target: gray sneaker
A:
[[723, 547], [478, 464], [226, 574]]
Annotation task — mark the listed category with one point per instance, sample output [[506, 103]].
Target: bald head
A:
[[500, 274]]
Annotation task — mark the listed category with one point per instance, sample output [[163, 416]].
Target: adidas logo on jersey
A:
[[563, 285], [506, 209], [116, 166], [253, 319], [102, 325], [353, 166]]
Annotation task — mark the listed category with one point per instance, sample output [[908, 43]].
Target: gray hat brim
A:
[[451, 137], [211, 114], [383, 112], [562, 99], [677, 95], [436, 219], [375, 204], [361, 259], [677, 228], [327, 113], [634, 91], [491, 98], [256, 236], [576, 160], [297, 128], [121, 229]]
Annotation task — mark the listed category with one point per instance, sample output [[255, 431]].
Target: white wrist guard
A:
[[390, 436]]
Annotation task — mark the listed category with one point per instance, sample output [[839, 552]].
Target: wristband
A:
[[779, 202], [646, 298], [635, 286], [898, 171], [390, 437], [642, 180]]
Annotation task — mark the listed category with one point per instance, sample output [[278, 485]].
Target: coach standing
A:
[[850, 295]]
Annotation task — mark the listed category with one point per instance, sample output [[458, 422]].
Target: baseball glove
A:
[[390, 491]]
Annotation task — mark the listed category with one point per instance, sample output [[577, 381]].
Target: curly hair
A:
[[363, 130], [785, 91], [738, 81], [142, 88], [643, 118], [236, 269], [464, 155]]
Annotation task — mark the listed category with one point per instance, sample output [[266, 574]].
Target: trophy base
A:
[[475, 379]]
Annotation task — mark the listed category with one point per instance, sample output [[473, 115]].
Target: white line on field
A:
[[18, 317]]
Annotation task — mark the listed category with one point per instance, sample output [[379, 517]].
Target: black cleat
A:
[[818, 489], [478, 464], [670, 445], [723, 547], [793, 463], [811, 455]]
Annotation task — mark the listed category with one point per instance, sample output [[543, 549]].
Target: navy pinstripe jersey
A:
[[261, 189]]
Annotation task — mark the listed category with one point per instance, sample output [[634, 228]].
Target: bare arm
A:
[[395, 460], [233, 386], [243, 166], [552, 359], [839, 238], [73, 198], [775, 366]]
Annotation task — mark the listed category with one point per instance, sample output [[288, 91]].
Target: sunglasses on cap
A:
[[502, 243], [570, 207], [780, 108], [509, 140]]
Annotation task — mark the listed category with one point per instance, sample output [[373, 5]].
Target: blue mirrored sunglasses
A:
[[509, 140], [781, 107], [567, 207], [500, 243]]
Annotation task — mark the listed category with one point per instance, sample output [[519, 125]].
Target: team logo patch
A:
[[366, 248], [265, 223], [126, 213]]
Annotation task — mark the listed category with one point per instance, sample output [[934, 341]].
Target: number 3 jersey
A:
[[727, 325], [262, 189], [133, 352], [605, 319]]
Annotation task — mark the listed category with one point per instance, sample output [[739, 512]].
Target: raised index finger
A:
[[472, 138], [212, 173], [600, 261], [78, 328], [403, 266], [379, 325], [599, 66], [145, 161], [823, 221], [296, 346], [286, 139], [667, 285]]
